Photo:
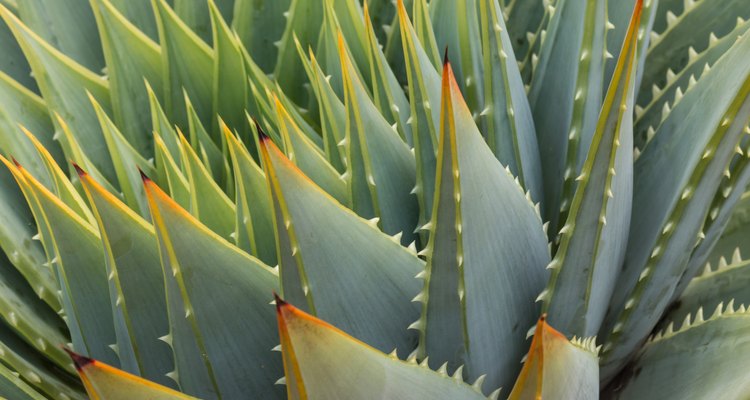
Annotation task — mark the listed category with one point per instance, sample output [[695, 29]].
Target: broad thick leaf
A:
[[136, 285], [558, 368], [380, 166], [734, 234], [255, 233], [206, 279], [657, 102], [131, 57], [17, 234], [127, 161], [187, 64], [104, 382], [63, 84], [303, 21], [593, 238], [675, 180], [208, 203], [69, 25], [424, 95], [697, 26], [74, 249], [506, 116], [701, 360], [25, 108], [568, 79], [725, 283], [319, 267], [34, 368], [524, 19], [14, 64], [308, 157], [230, 80], [259, 24], [456, 26], [14, 387], [206, 149], [323, 362], [30, 318], [171, 175], [482, 277], [140, 13]]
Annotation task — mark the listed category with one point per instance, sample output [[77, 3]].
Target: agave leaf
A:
[[469, 258], [327, 49], [140, 13], [161, 125], [131, 57], [33, 368], [424, 94], [524, 19], [456, 27], [332, 111], [106, 382], [567, 78], [321, 361], [506, 116], [17, 233], [25, 108], [318, 267], [675, 180], [187, 64], [592, 241], [380, 166], [259, 24], [558, 368], [196, 15], [307, 156], [387, 93], [618, 15], [208, 203], [674, 365], [658, 101], [14, 65], [167, 167], [727, 282], [255, 233], [697, 26], [14, 387], [136, 285], [724, 203], [211, 156], [230, 79], [61, 185], [63, 84], [69, 25], [304, 20], [127, 161], [29, 317], [394, 50], [734, 234], [74, 249], [198, 264]]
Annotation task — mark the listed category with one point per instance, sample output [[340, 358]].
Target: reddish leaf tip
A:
[[446, 61], [79, 170], [261, 133], [79, 361], [144, 177], [15, 162], [280, 303]]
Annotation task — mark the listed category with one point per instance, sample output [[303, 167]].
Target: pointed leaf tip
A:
[[446, 61], [261, 133], [79, 361], [280, 303], [79, 170], [15, 162], [144, 177]]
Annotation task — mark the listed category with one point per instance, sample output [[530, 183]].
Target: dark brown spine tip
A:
[[261, 133], [79, 361], [279, 301], [79, 170], [446, 61], [15, 162], [144, 177]]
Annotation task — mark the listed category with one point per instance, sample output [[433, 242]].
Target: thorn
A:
[[79, 360], [144, 177]]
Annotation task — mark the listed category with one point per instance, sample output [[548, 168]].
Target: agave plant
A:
[[568, 170]]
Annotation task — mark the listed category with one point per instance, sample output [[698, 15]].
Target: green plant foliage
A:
[[576, 171]]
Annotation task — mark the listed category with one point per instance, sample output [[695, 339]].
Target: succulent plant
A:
[[568, 170]]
